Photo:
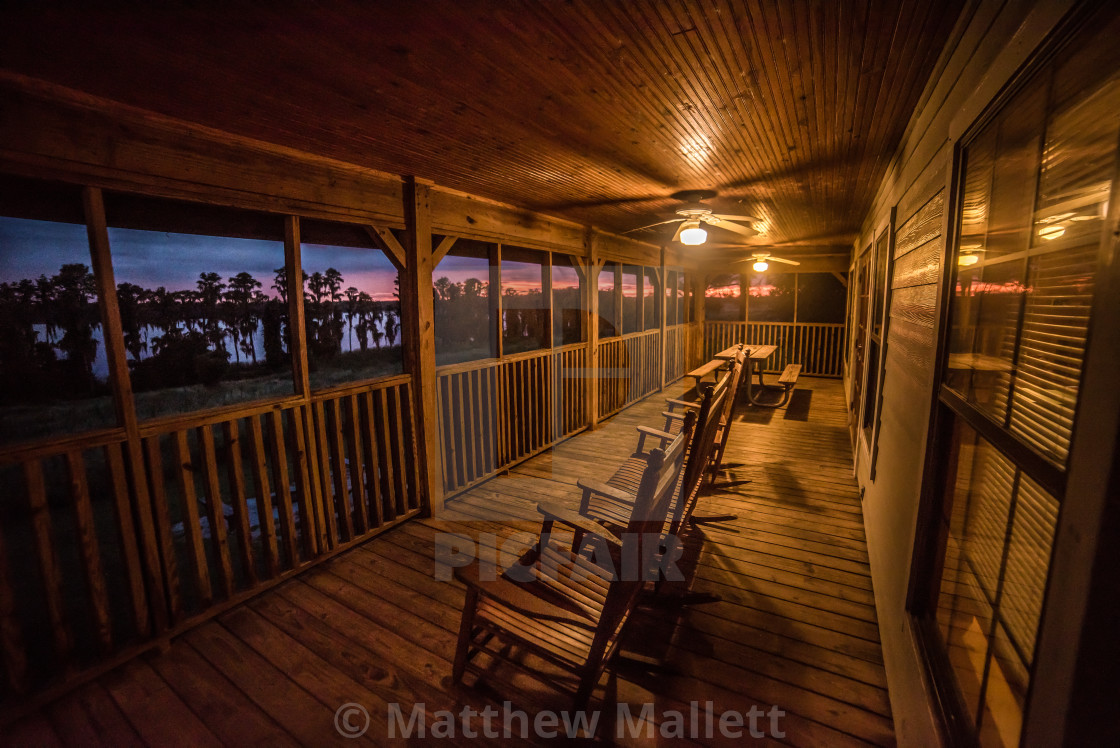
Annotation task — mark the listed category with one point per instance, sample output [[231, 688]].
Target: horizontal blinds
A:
[[1074, 186]]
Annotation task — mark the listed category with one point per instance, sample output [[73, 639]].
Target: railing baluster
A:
[[89, 550], [49, 567], [236, 478], [196, 551], [214, 512], [283, 485], [322, 465], [162, 518], [374, 436], [126, 532], [400, 458], [259, 470], [357, 474], [13, 654], [339, 474], [463, 436]]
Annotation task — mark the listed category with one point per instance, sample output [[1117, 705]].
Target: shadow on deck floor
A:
[[794, 626]]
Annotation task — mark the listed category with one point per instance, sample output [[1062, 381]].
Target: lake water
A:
[[350, 341]]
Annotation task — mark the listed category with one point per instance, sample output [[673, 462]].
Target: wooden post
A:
[[314, 523], [418, 318], [618, 299], [98, 233], [591, 370], [639, 298], [664, 284], [549, 333], [495, 296]]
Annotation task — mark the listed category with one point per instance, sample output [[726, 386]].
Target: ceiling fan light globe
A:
[[693, 235], [761, 266]]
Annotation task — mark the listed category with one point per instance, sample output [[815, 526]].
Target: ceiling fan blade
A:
[[724, 217], [659, 223], [677, 236], [730, 226], [779, 259]]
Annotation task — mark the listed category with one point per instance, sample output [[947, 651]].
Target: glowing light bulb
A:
[[692, 234], [761, 265], [967, 260]]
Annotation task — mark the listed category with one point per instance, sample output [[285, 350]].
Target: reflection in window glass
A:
[[771, 297], [524, 308], [721, 299], [1026, 277], [820, 298], [350, 305], [650, 308], [1000, 532], [607, 296], [204, 314], [53, 368], [567, 311], [462, 305]]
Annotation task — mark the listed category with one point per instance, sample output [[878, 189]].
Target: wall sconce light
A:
[[692, 234]]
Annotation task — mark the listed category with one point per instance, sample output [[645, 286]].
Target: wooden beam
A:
[[549, 334], [388, 243], [494, 294], [418, 318], [662, 282], [297, 329], [842, 278], [591, 305], [444, 247], [98, 233]]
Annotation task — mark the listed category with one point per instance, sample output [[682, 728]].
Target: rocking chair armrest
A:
[[575, 520], [593, 486], [664, 436], [670, 416], [682, 403]]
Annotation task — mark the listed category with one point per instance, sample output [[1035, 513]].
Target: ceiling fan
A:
[[762, 261], [694, 213]]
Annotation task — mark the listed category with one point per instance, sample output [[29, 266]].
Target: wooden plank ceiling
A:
[[589, 110]]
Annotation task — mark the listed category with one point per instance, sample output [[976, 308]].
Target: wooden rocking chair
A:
[[611, 503], [726, 416], [572, 610]]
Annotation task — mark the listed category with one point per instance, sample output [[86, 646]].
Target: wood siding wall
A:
[[991, 40]]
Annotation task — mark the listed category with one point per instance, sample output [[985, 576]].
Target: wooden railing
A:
[[113, 542], [494, 413], [681, 351], [819, 348], [629, 369]]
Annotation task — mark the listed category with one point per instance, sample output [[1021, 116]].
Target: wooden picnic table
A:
[[755, 353]]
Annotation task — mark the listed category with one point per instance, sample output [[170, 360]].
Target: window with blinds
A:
[[1035, 190], [1037, 177], [999, 526]]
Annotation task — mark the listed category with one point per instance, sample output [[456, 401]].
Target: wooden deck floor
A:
[[794, 626]]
